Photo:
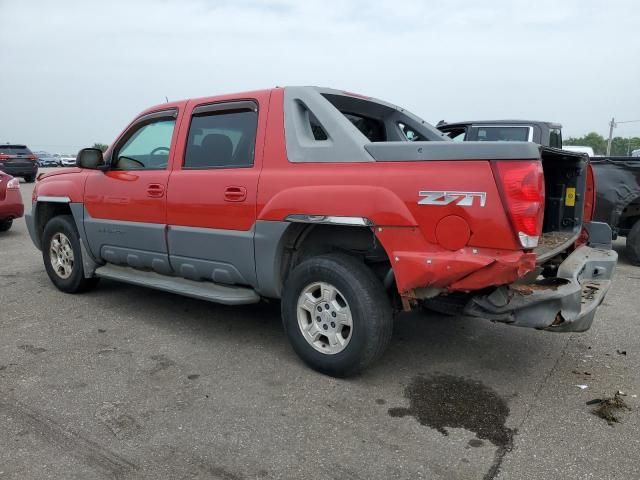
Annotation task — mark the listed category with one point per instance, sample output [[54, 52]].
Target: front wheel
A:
[[336, 314], [63, 257]]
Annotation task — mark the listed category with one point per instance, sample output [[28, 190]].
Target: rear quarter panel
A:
[[384, 192], [388, 195]]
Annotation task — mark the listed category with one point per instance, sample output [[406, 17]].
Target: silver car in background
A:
[[46, 159], [67, 160]]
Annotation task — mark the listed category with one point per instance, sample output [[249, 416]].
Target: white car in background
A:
[[579, 149], [68, 160]]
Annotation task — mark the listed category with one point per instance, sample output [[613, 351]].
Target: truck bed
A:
[[565, 184], [552, 243]]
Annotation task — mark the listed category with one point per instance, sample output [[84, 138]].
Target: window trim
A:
[[202, 109], [225, 107], [137, 124]]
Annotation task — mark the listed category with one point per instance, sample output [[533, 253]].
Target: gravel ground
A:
[[125, 382]]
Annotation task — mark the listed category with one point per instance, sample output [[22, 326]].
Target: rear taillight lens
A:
[[33, 157], [522, 187], [590, 196], [13, 184], [4, 156]]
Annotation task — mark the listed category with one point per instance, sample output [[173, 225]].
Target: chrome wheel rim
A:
[[324, 318], [61, 255]]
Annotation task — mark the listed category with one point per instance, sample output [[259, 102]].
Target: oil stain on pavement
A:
[[446, 401]]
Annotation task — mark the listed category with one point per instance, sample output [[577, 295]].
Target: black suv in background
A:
[[548, 134], [18, 161]]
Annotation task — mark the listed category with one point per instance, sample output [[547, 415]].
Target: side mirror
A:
[[91, 158]]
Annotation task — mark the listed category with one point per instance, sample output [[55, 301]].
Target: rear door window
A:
[[502, 133], [222, 139]]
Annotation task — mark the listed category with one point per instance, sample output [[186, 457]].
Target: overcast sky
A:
[[74, 73]]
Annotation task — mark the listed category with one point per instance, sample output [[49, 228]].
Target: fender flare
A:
[[339, 201], [624, 202], [77, 212]]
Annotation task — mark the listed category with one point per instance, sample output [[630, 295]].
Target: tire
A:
[[30, 178], [68, 276], [5, 224], [633, 244], [359, 295]]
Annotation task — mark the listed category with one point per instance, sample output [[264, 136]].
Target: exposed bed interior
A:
[[565, 182]]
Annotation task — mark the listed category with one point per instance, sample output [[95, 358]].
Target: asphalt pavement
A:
[[125, 382]]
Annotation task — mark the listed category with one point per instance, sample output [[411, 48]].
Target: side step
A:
[[213, 292]]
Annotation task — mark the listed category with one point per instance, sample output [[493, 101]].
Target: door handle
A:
[[235, 194], [155, 190]]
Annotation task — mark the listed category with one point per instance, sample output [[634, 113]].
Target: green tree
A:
[[620, 146], [592, 139], [101, 146]]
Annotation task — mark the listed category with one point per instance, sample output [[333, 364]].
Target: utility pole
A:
[[611, 127], [613, 124]]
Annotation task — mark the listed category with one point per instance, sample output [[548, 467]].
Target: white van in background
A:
[[579, 149]]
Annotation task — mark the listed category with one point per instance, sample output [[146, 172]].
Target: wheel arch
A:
[[43, 212], [299, 240], [628, 214]]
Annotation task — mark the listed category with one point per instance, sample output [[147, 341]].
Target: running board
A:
[[213, 292]]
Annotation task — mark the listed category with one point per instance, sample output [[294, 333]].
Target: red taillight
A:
[[33, 157], [522, 186], [4, 156], [590, 196]]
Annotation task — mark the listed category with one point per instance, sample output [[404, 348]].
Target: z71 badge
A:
[[464, 199]]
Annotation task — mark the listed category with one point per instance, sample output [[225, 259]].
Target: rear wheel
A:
[[5, 224], [633, 244], [63, 257], [30, 178], [336, 314]]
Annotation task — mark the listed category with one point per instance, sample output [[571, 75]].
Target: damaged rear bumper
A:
[[566, 303]]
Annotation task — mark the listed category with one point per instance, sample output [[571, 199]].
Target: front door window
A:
[[147, 148]]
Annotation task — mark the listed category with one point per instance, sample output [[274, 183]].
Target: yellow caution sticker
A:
[[570, 197]]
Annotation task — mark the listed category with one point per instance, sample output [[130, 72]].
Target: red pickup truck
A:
[[317, 197]]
